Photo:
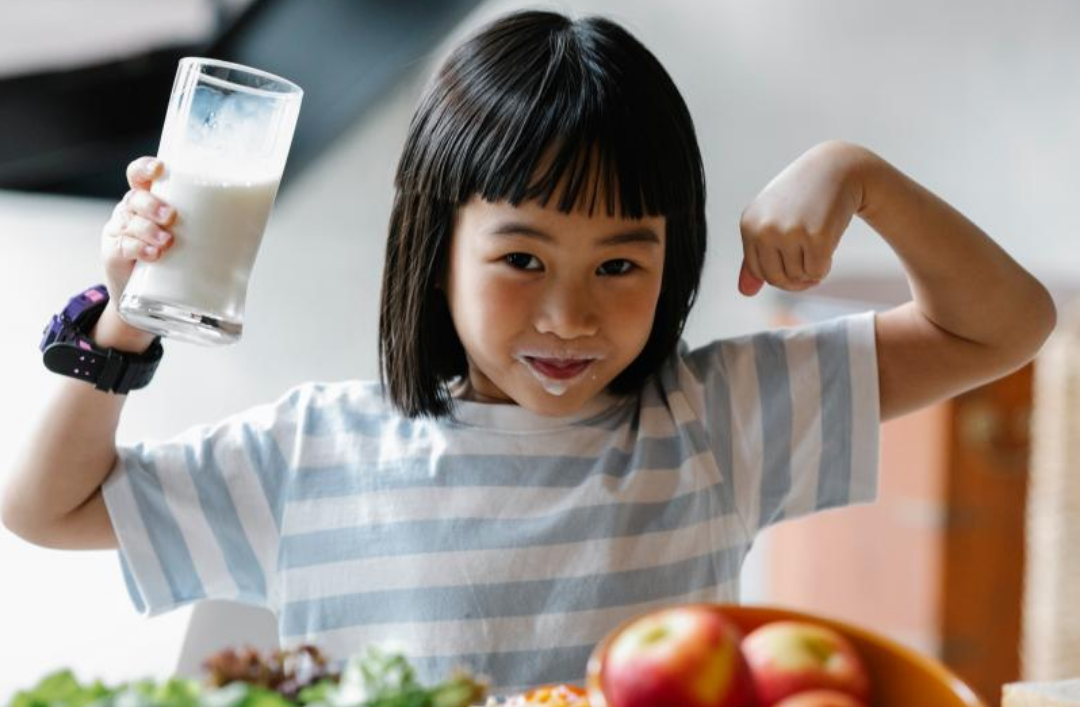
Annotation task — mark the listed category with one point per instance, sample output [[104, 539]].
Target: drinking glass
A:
[[224, 144]]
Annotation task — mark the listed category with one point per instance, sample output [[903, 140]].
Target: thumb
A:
[[748, 284]]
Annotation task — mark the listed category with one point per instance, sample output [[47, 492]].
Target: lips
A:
[[559, 368]]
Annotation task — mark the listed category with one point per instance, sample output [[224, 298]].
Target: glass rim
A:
[[291, 89]]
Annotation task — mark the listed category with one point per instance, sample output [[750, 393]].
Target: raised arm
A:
[[53, 495], [976, 314]]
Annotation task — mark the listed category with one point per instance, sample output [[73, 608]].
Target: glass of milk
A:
[[226, 136]]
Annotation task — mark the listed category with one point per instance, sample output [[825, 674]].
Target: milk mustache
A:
[[216, 235]]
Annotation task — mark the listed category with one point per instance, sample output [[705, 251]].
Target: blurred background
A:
[[976, 99]]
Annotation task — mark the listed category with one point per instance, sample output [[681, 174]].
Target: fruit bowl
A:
[[899, 676]]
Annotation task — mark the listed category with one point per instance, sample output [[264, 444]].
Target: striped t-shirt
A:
[[502, 541]]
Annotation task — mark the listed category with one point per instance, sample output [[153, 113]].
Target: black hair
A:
[[590, 104]]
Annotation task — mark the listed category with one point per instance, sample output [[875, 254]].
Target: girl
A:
[[543, 458]]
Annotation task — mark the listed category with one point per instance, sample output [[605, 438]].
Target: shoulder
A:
[[315, 405], [775, 360], [354, 393], [341, 399]]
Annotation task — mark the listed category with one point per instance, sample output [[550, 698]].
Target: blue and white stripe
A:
[[502, 540]]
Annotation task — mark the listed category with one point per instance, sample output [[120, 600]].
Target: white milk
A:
[[216, 237]]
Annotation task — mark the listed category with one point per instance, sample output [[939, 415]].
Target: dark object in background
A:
[[73, 132]]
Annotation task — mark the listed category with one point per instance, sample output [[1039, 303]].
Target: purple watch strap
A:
[[69, 351]]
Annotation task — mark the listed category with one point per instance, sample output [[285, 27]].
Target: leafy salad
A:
[[292, 678]]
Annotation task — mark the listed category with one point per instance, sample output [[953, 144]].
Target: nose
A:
[[568, 312]]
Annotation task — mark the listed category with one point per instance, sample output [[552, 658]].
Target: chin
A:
[[536, 399], [548, 405]]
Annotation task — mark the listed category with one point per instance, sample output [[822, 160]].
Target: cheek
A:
[[486, 306], [503, 306], [633, 311]]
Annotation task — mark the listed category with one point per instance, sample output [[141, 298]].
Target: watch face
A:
[[89, 299], [68, 324]]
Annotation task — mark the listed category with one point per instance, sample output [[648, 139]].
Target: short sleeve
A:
[[199, 516], [792, 416]]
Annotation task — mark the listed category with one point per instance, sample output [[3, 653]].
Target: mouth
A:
[[559, 368]]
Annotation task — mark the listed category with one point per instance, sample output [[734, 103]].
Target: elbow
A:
[[1038, 321], [1045, 320], [9, 513], [18, 517]]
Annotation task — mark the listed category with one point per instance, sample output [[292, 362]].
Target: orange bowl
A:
[[899, 676]]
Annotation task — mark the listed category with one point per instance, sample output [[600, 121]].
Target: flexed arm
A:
[[976, 314]]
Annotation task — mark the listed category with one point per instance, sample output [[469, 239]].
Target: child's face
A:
[[549, 306]]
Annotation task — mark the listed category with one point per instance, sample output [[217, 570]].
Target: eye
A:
[[522, 261], [619, 266]]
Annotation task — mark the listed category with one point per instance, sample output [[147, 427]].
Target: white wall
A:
[[977, 100]]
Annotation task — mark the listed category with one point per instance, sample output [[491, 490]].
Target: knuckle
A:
[[134, 249], [770, 231], [750, 222], [140, 226], [792, 231], [820, 269], [111, 227], [153, 208], [142, 201]]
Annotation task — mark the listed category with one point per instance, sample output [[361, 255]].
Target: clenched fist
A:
[[792, 228]]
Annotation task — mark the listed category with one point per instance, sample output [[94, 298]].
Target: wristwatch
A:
[[68, 349]]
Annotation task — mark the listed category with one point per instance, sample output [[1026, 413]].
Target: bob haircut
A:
[[586, 100]]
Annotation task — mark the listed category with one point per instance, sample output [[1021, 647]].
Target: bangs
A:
[[571, 118]]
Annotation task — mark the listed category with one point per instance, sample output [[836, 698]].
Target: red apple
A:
[[682, 656], [787, 657], [820, 698]]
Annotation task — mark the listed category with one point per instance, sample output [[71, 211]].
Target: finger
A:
[[147, 231], [750, 257], [128, 248], [791, 260], [149, 207], [817, 266], [120, 214], [142, 172], [749, 285], [773, 268]]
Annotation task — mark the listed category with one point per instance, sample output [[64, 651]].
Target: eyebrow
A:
[[640, 234]]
